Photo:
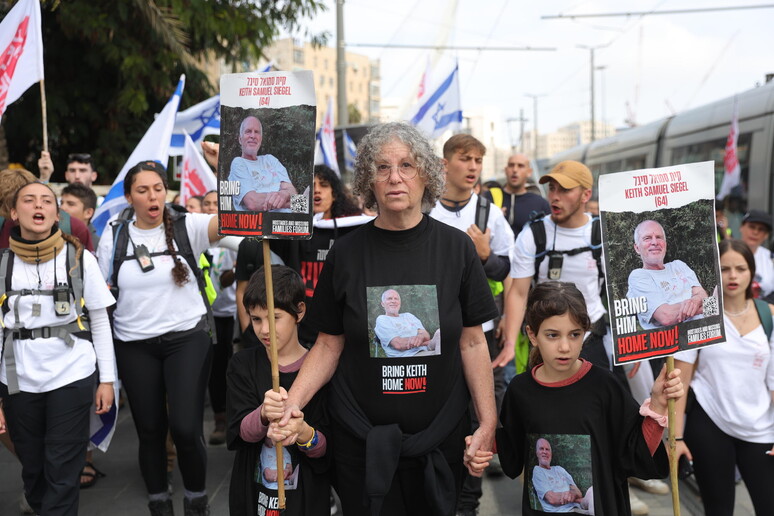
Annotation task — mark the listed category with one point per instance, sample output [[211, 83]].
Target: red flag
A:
[[197, 177], [21, 44], [733, 172]]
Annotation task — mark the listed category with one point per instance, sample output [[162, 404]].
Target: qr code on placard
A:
[[299, 203], [709, 306]]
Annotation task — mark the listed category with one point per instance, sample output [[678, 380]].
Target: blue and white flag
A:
[[350, 151], [440, 109], [154, 146], [198, 121], [327, 140]]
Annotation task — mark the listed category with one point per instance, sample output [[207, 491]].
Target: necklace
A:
[[737, 314]]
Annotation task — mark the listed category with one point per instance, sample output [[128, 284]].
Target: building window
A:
[[330, 82], [298, 56], [322, 81]]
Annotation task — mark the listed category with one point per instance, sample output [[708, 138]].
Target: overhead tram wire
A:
[[452, 47], [651, 13]]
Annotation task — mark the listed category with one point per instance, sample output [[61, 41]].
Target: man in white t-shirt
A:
[[264, 181], [402, 334], [672, 290], [555, 487], [567, 228], [755, 230]]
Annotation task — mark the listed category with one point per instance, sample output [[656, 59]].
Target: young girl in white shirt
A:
[[730, 420], [49, 358]]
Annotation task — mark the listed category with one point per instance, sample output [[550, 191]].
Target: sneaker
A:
[[639, 508], [24, 506], [161, 507], [652, 486], [218, 436], [197, 506]]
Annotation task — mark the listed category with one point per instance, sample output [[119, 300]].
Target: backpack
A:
[[180, 237], [66, 332], [538, 227]]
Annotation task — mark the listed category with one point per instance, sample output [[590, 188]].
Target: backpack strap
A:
[[482, 212], [184, 249], [538, 228], [120, 243], [764, 314], [64, 222]]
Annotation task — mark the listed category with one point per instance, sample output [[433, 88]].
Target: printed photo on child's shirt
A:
[[559, 473]]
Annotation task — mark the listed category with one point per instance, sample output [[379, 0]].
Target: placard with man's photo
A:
[[661, 260], [266, 161]]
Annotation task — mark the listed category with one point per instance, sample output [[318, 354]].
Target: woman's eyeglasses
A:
[[406, 170]]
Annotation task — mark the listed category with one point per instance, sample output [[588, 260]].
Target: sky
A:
[[658, 64]]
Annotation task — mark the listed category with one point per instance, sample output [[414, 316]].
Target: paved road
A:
[[122, 492]]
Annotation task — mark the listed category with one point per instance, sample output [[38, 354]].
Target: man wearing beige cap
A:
[[567, 254]]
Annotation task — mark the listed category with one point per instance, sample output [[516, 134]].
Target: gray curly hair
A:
[[370, 148]]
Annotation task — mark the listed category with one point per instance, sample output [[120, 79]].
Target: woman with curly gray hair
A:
[[400, 423]]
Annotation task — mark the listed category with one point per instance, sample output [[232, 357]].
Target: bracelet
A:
[[678, 438], [645, 410], [311, 443]]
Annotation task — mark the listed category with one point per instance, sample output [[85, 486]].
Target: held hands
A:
[[664, 388], [104, 398], [289, 433], [477, 454]]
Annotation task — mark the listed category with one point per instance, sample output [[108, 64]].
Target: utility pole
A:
[[341, 66], [535, 123], [521, 121], [591, 52]]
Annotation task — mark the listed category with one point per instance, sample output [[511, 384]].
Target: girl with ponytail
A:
[[162, 347], [51, 350]]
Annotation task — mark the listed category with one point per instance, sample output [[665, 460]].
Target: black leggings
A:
[[224, 328], [50, 431], [168, 370], [714, 455]]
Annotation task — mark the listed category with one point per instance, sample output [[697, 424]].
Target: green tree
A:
[[111, 65]]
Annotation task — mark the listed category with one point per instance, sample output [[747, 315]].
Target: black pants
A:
[[224, 330], [50, 431], [171, 369], [471, 488], [714, 455]]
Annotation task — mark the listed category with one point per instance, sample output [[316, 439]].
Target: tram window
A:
[[735, 204]]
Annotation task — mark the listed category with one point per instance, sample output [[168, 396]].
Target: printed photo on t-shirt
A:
[[267, 473], [403, 321], [559, 473]]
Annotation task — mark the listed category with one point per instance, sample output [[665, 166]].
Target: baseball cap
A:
[[570, 174], [758, 216]]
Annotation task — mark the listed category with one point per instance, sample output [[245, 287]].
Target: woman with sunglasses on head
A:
[[730, 419], [51, 349], [163, 343]]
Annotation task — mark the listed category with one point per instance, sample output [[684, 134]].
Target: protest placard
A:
[[661, 260], [265, 168]]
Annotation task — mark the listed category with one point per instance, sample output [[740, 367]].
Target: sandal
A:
[[92, 477]]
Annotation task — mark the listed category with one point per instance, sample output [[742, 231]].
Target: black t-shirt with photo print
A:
[[408, 390], [594, 409]]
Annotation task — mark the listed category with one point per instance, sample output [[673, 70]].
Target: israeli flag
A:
[[198, 121], [440, 109], [153, 146], [350, 151]]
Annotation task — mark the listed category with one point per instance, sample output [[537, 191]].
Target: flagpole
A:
[[43, 110]]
